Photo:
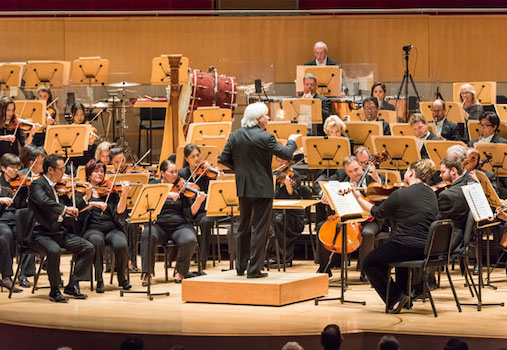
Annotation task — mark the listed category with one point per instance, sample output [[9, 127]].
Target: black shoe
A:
[[402, 301], [177, 281], [7, 283], [100, 287], [240, 273], [24, 283], [476, 270], [363, 278], [73, 289], [257, 275], [125, 285], [57, 297]]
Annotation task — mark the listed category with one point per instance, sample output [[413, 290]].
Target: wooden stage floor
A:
[[135, 314]]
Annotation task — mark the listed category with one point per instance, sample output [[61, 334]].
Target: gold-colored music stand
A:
[[405, 129], [437, 150], [217, 141], [32, 110], [10, 75], [208, 153], [388, 116], [493, 199], [148, 205], [454, 111], [89, 71], [137, 180], [326, 153], [402, 151], [329, 79], [67, 140], [501, 111], [486, 91], [303, 111], [212, 115], [223, 201], [473, 129], [161, 70], [357, 115], [54, 74], [498, 152], [283, 129], [362, 132], [198, 130]]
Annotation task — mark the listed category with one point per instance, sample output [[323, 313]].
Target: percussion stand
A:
[[123, 128]]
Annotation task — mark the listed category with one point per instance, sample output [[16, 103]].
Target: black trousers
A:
[[133, 234], [82, 250], [252, 234], [206, 226], [183, 236], [295, 225], [115, 238], [5, 253], [375, 266]]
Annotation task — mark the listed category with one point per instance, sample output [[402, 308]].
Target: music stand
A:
[[223, 201], [454, 111], [323, 152], [89, 71], [344, 255], [402, 151], [161, 70], [388, 116], [362, 132], [283, 129], [437, 150], [54, 74], [404, 129], [10, 75], [329, 79], [198, 130], [67, 140], [357, 115], [501, 111], [303, 111], [212, 115], [486, 91], [216, 141], [148, 205], [208, 153], [32, 110], [132, 178], [499, 157]]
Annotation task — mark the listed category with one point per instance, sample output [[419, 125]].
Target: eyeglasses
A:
[[485, 125], [369, 108]]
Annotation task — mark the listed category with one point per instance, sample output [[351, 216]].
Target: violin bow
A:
[[188, 180], [17, 125], [23, 181], [206, 170], [49, 105], [112, 184], [141, 159], [72, 184]]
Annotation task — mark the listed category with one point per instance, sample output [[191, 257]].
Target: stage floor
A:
[[134, 313]]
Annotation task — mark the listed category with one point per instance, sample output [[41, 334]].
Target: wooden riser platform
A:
[[275, 290]]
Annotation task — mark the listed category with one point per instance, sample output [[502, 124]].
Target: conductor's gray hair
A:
[[252, 113]]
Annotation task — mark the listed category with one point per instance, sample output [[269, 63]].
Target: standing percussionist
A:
[[249, 152]]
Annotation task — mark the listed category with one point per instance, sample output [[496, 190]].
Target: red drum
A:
[[206, 89]]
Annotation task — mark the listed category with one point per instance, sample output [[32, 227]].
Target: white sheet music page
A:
[[343, 204], [477, 202]]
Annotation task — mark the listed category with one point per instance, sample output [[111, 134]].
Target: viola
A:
[[440, 187], [188, 189], [377, 192]]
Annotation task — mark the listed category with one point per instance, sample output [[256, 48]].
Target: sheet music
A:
[[305, 115], [477, 202], [287, 202], [343, 204]]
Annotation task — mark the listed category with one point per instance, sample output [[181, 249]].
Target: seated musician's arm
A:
[[40, 199]]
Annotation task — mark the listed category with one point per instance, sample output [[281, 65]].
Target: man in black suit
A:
[[321, 59], [451, 202], [418, 123], [249, 152], [488, 128], [310, 92], [52, 231], [446, 129], [370, 107]]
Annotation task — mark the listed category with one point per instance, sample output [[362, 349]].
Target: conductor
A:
[[248, 152]]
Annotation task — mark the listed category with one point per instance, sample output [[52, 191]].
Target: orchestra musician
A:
[[378, 90], [103, 223], [102, 152], [371, 107], [446, 130], [44, 93], [10, 165], [321, 58], [471, 105], [488, 128], [192, 155], [175, 223], [12, 137], [310, 92], [118, 160], [78, 117], [52, 230], [249, 152], [410, 220], [418, 123], [288, 186]]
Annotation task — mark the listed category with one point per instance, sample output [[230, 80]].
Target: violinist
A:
[[189, 172], [102, 152], [10, 165], [472, 162], [118, 160], [52, 231], [44, 93], [103, 223], [410, 220], [488, 128], [78, 117], [12, 137], [288, 186], [418, 123], [175, 223]]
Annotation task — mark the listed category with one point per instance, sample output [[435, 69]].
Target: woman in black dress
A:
[[175, 223], [103, 223]]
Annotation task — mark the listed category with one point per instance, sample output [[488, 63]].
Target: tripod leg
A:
[[413, 86]]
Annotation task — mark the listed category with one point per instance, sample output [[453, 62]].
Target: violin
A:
[[103, 189], [440, 187], [188, 189], [22, 180], [280, 178], [206, 170], [132, 169], [377, 192], [18, 123]]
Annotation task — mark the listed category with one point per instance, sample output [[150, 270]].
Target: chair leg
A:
[[387, 289], [16, 275], [219, 254], [36, 278], [113, 264], [213, 246], [458, 305], [91, 278], [198, 253], [166, 268], [409, 287], [425, 277]]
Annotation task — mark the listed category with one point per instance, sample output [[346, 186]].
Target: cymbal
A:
[[123, 84]]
